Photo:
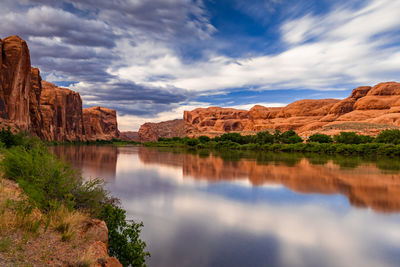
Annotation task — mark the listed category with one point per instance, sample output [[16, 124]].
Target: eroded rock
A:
[[100, 123]]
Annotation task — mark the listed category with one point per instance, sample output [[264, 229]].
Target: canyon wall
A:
[[368, 110], [100, 123], [15, 82], [61, 111], [152, 131], [52, 113]]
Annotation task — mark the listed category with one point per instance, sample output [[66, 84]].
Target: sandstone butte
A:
[[368, 110], [30, 104]]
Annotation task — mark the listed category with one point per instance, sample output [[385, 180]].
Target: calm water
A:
[[243, 209]]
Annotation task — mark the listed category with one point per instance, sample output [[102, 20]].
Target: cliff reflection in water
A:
[[362, 182], [93, 161]]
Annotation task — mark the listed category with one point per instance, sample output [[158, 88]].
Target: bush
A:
[[389, 137], [347, 138], [192, 142], [51, 182], [290, 137], [320, 138], [124, 238], [9, 139], [204, 139], [233, 137], [265, 138]]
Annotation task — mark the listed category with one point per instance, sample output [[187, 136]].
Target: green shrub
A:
[[204, 139], [124, 237], [265, 138], [352, 138], [389, 137], [51, 182], [290, 137], [320, 138], [192, 142]]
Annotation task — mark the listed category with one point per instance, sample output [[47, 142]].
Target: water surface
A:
[[249, 209]]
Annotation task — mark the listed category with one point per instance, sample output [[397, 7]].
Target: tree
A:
[[204, 139], [389, 137], [320, 138], [290, 137]]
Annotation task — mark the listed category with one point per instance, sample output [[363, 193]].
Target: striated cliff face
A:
[[152, 131], [61, 110], [15, 77], [34, 103], [100, 123], [52, 113], [368, 110]]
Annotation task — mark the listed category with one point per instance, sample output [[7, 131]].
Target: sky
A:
[[152, 59]]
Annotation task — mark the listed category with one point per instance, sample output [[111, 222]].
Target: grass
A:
[[5, 244], [53, 194], [67, 222]]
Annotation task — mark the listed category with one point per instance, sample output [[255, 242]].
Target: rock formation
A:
[[100, 123], [61, 111], [15, 81], [368, 110], [34, 103], [152, 131], [52, 113], [129, 136]]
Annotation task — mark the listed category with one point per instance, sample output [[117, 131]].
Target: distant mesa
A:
[[129, 136], [368, 110], [52, 113], [152, 131]]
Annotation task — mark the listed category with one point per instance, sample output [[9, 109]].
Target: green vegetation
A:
[[386, 143], [116, 142], [55, 188], [124, 239]]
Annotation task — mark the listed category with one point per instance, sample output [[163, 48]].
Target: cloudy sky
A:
[[152, 59]]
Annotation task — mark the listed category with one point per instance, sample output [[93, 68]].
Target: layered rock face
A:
[[52, 113], [61, 111], [129, 136], [152, 131], [15, 78], [368, 110], [34, 103], [100, 123]]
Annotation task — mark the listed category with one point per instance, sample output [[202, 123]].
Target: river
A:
[[253, 209]]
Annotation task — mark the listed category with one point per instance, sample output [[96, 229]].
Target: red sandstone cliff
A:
[[100, 123], [61, 111], [152, 131], [52, 113], [368, 110], [15, 78]]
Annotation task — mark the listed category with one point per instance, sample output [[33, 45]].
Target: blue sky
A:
[[152, 59]]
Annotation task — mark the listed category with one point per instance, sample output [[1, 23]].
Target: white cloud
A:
[[343, 49]]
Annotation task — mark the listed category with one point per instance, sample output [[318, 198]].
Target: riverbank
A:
[[53, 204], [348, 143], [30, 237]]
